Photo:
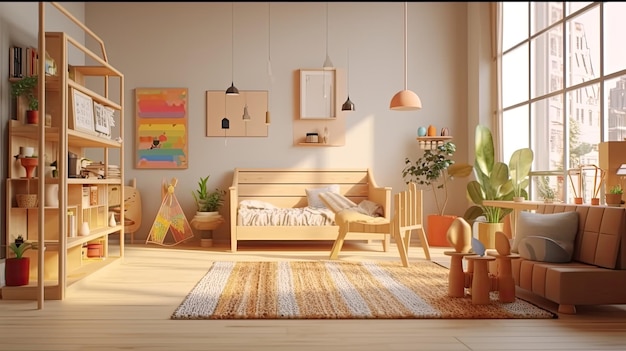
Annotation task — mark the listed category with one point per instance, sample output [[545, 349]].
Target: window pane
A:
[[549, 128], [583, 47], [616, 109], [573, 6], [544, 13], [515, 131], [614, 50], [515, 23], [547, 62], [584, 118], [515, 76]]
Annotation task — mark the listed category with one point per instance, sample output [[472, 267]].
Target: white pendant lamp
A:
[[328, 64], [405, 100], [232, 90]]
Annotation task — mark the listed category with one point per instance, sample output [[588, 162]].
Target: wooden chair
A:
[[132, 210], [407, 217]]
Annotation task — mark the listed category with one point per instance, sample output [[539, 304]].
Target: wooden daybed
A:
[[286, 188]]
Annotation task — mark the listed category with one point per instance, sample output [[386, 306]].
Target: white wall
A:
[[192, 49]]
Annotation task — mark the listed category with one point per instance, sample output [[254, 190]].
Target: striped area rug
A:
[[336, 290]]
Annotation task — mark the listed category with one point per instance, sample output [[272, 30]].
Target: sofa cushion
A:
[[561, 227], [313, 195], [539, 248]]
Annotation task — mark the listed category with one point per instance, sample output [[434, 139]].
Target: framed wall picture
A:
[[317, 94], [82, 112], [161, 134], [103, 116]]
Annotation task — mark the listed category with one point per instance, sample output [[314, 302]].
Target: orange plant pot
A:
[[438, 229]]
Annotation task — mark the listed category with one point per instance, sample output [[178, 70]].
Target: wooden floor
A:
[[128, 305]]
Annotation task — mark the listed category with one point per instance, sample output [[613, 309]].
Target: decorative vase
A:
[[112, 222], [52, 195], [432, 131], [84, 229], [421, 131], [578, 200], [595, 201]]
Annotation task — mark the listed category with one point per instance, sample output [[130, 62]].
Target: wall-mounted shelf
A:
[[431, 142], [318, 144]]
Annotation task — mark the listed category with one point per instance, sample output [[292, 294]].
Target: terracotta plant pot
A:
[[17, 271], [613, 199], [32, 117], [438, 229]]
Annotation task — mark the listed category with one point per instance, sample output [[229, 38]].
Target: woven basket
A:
[[26, 200]]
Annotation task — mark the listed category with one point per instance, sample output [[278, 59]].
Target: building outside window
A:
[[563, 84]]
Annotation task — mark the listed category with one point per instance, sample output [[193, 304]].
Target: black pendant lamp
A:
[[232, 90], [348, 105]]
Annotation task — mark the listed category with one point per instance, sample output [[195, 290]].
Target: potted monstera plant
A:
[[493, 182], [433, 170]]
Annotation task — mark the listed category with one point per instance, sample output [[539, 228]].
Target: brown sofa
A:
[[596, 274]]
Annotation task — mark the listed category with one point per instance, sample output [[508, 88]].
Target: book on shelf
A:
[[23, 61]]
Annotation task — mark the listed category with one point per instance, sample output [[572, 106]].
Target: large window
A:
[[563, 84]]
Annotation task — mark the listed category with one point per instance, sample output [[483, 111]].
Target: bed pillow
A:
[[560, 227], [313, 195], [336, 202], [371, 208], [540, 248]]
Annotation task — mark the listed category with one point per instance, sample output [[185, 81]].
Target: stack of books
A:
[[114, 172]]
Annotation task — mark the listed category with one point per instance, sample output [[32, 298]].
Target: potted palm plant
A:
[[26, 88], [17, 269], [208, 204], [492, 182], [434, 169]]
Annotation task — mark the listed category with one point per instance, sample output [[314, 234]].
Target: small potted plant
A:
[[546, 192], [614, 196], [17, 269], [433, 170], [207, 216], [26, 87]]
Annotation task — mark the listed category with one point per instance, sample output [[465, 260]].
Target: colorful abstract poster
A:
[[161, 135]]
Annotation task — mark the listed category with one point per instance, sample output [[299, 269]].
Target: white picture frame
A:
[[317, 94], [82, 112], [102, 116]]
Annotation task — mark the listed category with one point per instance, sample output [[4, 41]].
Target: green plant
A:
[[545, 190], [434, 169], [208, 201], [519, 168], [26, 87], [492, 179], [616, 189], [18, 247]]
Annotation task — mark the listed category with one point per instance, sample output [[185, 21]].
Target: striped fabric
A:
[[336, 202], [336, 290]]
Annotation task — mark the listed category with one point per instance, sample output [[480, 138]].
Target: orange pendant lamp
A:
[[405, 100]]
